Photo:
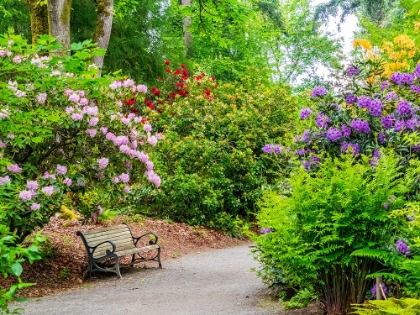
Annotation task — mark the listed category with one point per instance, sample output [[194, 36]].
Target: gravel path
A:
[[208, 283]]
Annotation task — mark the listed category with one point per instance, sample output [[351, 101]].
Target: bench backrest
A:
[[119, 234]]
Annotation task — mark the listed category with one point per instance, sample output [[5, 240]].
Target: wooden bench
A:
[[111, 243]]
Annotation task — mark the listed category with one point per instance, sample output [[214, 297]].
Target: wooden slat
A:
[[136, 250], [109, 230], [99, 239]]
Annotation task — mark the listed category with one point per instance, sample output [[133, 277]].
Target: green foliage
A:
[[300, 300], [331, 229], [388, 307], [211, 157], [53, 111], [12, 255]]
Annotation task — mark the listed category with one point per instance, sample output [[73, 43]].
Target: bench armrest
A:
[[151, 242], [108, 252]]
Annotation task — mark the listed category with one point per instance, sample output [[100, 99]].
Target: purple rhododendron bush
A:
[[65, 133], [349, 210]]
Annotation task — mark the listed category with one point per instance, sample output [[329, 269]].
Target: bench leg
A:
[[117, 267], [160, 264]]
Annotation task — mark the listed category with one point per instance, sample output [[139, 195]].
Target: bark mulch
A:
[[65, 264]]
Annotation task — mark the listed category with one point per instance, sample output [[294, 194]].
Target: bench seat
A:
[[113, 242]]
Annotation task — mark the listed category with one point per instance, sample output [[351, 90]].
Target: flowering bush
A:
[[364, 118], [211, 158], [65, 131], [335, 226]]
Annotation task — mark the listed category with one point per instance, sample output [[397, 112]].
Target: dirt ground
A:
[[65, 265]]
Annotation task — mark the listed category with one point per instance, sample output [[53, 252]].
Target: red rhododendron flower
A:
[[167, 62], [160, 102], [130, 102], [177, 71], [172, 95], [168, 70], [179, 84], [151, 106], [159, 79], [203, 74], [143, 121], [208, 92], [156, 92], [184, 77], [197, 77], [212, 78], [185, 72], [153, 89], [182, 66]]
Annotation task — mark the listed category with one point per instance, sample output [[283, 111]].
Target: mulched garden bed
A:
[[65, 265]]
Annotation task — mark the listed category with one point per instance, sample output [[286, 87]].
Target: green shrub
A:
[[211, 161], [11, 257], [334, 228], [389, 307]]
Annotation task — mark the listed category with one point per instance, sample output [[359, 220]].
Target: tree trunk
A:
[[59, 22], [103, 29], [187, 35], [39, 19]]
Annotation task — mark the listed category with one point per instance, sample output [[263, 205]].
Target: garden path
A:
[[209, 283]]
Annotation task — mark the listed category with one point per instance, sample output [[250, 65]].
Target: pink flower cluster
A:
[[14, 168], [5, 180]]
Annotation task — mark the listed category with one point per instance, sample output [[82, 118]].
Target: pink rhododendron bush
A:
[[66, 133]]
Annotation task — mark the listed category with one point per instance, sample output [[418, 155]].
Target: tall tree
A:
[[103, 29], [59, 21]]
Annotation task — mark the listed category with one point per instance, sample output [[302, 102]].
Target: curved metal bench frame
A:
[[114, 254]]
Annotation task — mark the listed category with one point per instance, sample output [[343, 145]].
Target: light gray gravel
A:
[[208, 283]]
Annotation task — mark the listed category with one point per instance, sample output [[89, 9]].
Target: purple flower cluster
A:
[[376, 108], [417, 71], [360, 125], [384, 288], [306, 136], [265, 230], [364, 102], [347, 147], [415, 88], [403, 108], [272, 148], [402, 78], [391, 96], [385, 85], [387, 121], [381, 138], [334, 134], [399, 125], [374, 161], [402, 247], [412, 123], [351, 99], [346, 131], [352, 70], [319, 91], [322, 120], [305, 113], [313, 162]]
